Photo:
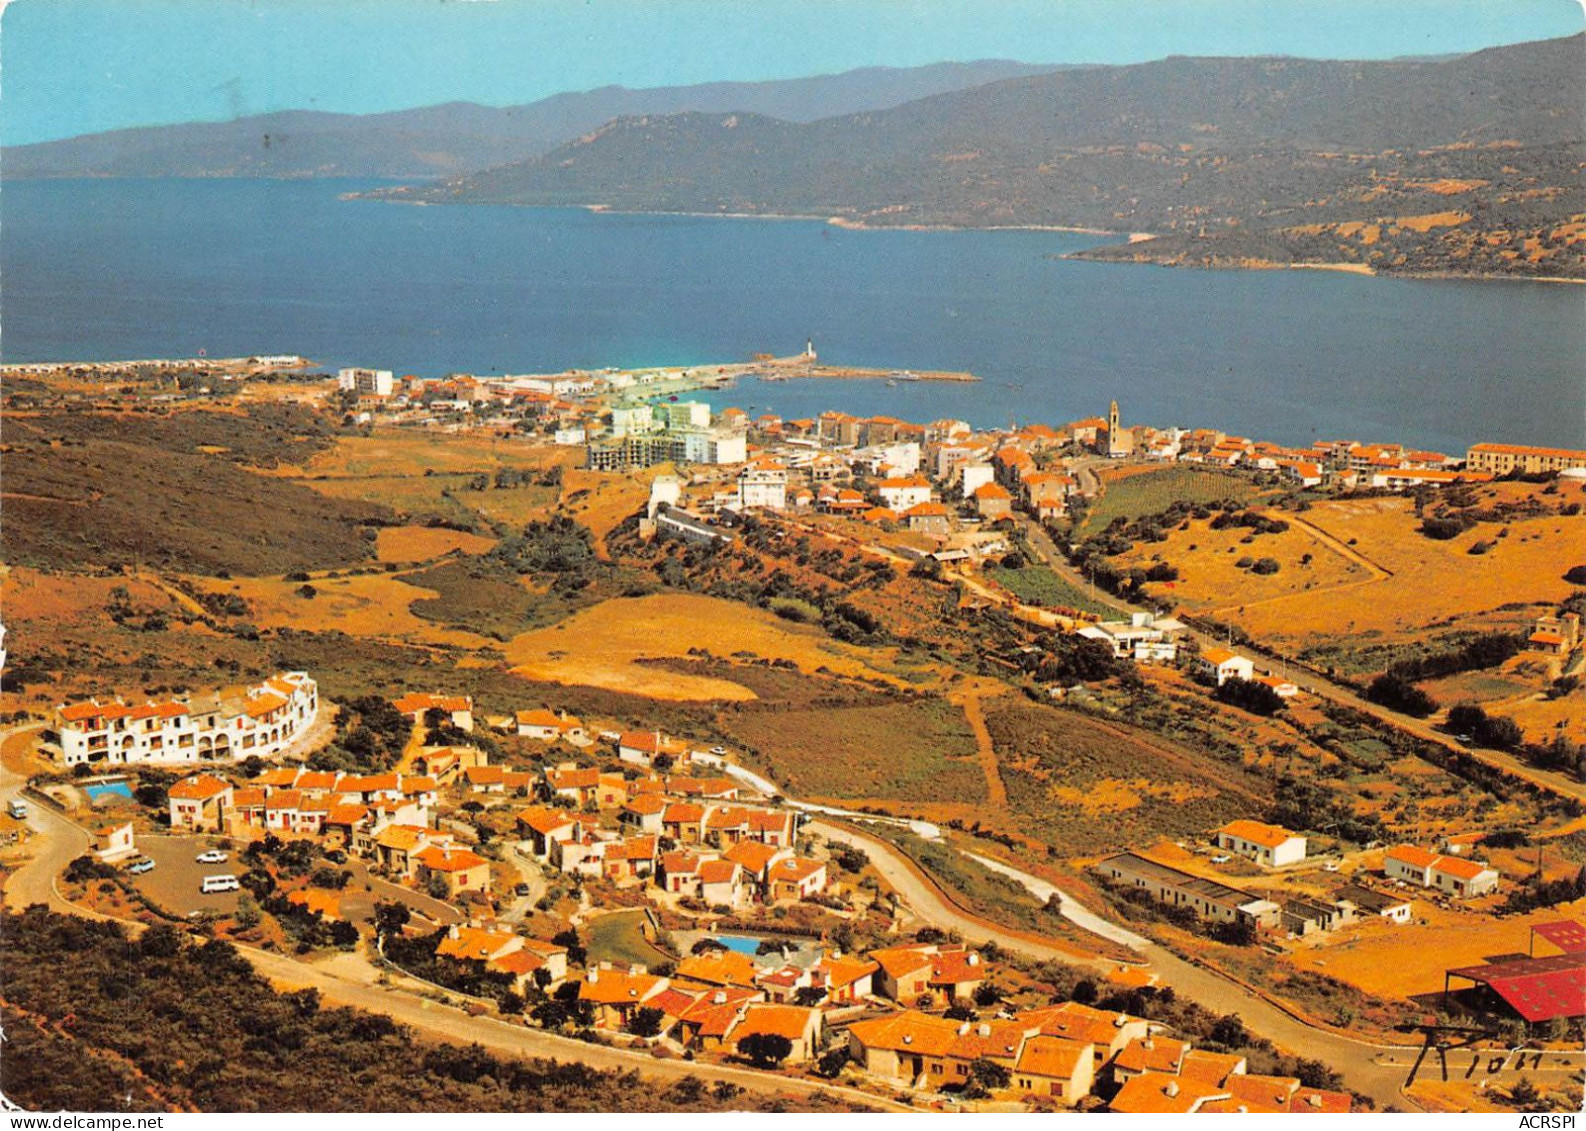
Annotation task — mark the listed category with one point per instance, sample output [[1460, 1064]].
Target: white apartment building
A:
[[366, 382], [232, 724]]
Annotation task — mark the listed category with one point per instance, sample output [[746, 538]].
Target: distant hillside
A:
[[461, 137], [1469, 164]]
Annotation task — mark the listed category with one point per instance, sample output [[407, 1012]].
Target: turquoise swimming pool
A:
[[101, 788]]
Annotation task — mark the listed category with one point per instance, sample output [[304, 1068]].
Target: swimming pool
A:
[[743, 944], [99, 789]]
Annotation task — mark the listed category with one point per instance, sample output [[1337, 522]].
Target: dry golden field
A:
[[1209, 580], [1432, 584], [363, 605], [601, 646], [1403, 962], [421, 543]]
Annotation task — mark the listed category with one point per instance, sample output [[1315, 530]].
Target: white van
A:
[[213, 884]]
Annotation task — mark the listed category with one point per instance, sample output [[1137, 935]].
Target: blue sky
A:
[[78, 66]]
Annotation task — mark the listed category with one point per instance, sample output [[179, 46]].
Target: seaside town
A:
[[633, 885]]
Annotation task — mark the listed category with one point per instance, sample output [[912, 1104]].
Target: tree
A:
[[390, 917], [1249, 695], [808, 996], [986, 1076], [247, 914], [1524, 1093], [831, 1062], [646, 1022], [766, 1050], [1229, 1031], [1398, 694]]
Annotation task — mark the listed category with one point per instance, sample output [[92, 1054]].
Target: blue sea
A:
[[126, 269]]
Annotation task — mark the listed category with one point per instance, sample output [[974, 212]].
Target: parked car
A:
[[1223, 859], [213, 856], [140, 865], [336, 856], [718, 750], [522, 889]]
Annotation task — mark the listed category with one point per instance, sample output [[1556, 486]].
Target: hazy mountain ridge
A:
[[1225, 157], [459, 137]]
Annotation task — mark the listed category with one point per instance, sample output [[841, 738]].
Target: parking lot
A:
[[176, 878]]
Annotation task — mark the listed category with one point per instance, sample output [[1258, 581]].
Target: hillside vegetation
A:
[[1244, 161], [95, 1021]]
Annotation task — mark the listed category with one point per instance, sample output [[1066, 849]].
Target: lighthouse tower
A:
[[809, 349]]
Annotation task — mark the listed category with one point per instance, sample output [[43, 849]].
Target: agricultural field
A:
[[1036, 584], [1084, 785], [603, 646], [913, 751], [1151, 491], [396, 453]]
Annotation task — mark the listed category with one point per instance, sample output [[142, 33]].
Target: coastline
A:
[[1132, 238]]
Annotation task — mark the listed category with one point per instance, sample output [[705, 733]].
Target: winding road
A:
[[1373, 1070]]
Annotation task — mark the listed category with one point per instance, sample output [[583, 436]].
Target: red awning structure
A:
[[1566, 934], [1538, 989]]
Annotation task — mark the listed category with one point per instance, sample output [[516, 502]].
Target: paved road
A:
[[1356, 1060], [520, 1040]]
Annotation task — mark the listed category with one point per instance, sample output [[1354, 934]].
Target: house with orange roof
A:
[[114, 842], [577, 784], [612, 790], [992, 501], [459, 869], [794, 879], [800, 1027], [644, 747], [485, 779], [907, 972], [929, 517], [684, 822], [677, 872], [720, 968], [199, 803], [615, 995], [1462, 878], [1219, 665], [1410, 863], [457, 709], [846, 978], [1055, 1068], [756, 859], [1261, 1094], [1154, 1093], [1268, 845], [1109, 1033], [643, 813], [708, 789], [395, 847], [1212, 1067], [902, 492], [926, 1051], [724, 883], [539, 963], [548, 726], [1150, 1053]]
